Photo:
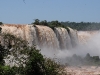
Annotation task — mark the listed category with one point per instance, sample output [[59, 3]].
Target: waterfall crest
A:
[[43, 36]]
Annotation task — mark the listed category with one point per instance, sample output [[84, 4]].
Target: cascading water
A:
[[63, 37], [74, 37], [46, 38], [43, 36], [33, 37], [17, 30], [50, 42]]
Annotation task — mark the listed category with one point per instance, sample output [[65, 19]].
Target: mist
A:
[[91, 46], [60, 43]]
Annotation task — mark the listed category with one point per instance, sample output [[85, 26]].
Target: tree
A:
[[95, 58], [1, 23], [38, 65], [87, 57], [4, 70], [3, 52], [44, 23], [37, 22], [56, 23], [35, 63]]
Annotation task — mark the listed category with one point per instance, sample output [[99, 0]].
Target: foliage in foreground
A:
[[36, 63], [7, 70]]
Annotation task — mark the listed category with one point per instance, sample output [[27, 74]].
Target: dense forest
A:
[[75, 25]]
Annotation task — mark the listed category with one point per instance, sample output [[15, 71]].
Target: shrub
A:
[[38, 65], [35, 63], [6, 70]]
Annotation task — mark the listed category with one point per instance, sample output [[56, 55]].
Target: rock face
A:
[[43, 36]]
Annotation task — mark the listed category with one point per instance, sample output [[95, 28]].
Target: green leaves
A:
[[1, 23], [29, 60], [6, 70]]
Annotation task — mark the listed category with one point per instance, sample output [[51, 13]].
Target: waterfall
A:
[[33, 37], [43, 36], [63, 37], [17, 30], [46, 37], [74, 37], [54, 43]]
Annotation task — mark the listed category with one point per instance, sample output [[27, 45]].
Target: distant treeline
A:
[[82, 25], [75, 25]]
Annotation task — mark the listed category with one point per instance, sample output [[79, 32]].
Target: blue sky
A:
[[16, 11]]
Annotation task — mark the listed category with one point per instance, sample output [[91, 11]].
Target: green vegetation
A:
[[74, 25], [2, 54], [4, 70], [51, 24], [7, 70], [1, 23], [92, 60], [38, 65], [28, 60], [87, 60], [82, 25]]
